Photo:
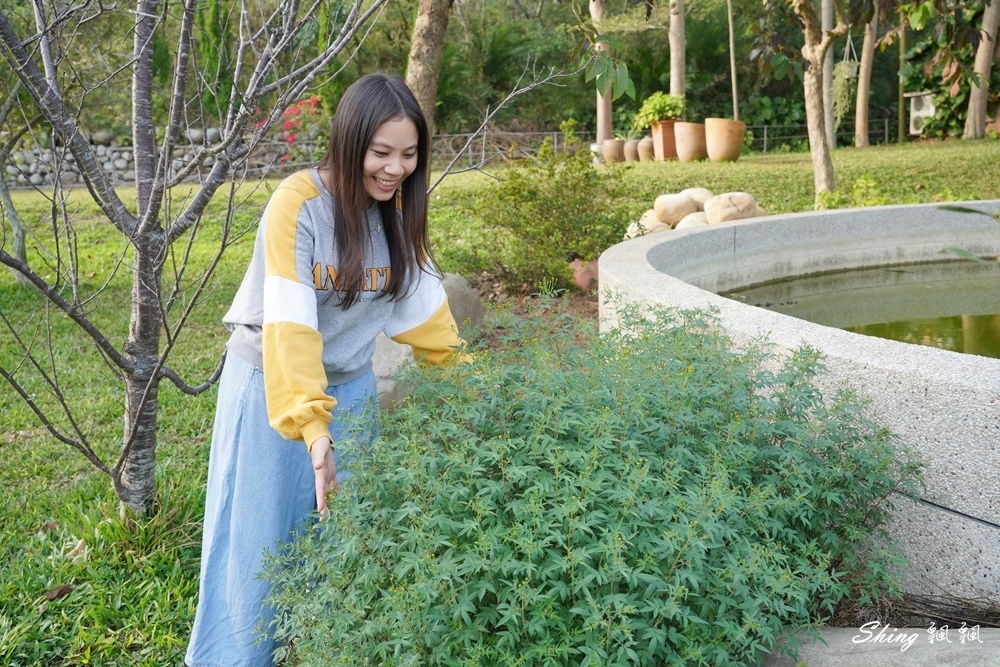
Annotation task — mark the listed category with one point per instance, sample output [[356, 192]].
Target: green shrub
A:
[[546, 211], [650, 498]]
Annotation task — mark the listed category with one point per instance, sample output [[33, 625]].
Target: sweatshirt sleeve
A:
[[294, 378], [424, 321]]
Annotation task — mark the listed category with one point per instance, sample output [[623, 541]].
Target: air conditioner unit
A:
[[921, 108]]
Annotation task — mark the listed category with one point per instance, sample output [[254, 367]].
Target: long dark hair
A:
[[367, 103]]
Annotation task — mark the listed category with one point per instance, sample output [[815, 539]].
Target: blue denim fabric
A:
[[261, 488]]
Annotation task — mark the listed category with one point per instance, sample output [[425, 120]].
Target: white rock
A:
[[646, 224], [699, 195], [696, 219], [671, 208], [730, 206]]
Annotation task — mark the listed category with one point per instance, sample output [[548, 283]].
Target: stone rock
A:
[[464, 301], [671, 208], [761, 212], [388, 360], [213, 135], [730, 206], [101, 138], [194, 135], [646, 224], [699, 195], [121, 164], [691, 220], [35, 179]]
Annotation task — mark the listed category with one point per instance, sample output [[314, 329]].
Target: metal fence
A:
[[469, 150]]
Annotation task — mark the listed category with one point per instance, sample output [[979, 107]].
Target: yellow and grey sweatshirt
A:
[[286, 318]]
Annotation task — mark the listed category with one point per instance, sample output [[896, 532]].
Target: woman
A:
[[341, 255]]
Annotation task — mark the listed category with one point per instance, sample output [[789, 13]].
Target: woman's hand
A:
[[325, 469]]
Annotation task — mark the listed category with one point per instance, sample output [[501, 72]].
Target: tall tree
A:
[[865, 82], [272, 66], [826, 21], [678, 47], [814, 49], [423, 68], [975, 119], [604, 96]]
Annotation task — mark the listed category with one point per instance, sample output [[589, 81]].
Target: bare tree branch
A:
[[546, 77], [73, 311]]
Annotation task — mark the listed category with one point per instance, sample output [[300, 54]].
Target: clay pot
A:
[[613, 150], [724, 139], [664, 147], [631, 150], [646, 149], [690, 141]]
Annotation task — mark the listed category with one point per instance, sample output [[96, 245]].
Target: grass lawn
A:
[[83, 587]]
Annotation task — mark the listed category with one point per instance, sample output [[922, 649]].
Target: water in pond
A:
[[950, 305]]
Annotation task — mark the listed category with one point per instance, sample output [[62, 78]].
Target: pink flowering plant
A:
[[304, 128]]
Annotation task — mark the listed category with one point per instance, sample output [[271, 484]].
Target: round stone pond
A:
[[944, 404], [952, 305]]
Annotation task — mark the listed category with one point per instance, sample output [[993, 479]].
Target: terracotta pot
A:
[[613, 150], [724, 139], [631, 150], [646, 149], [690, 140], [664, 147]]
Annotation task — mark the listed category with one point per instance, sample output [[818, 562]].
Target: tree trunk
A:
[[828, 121], [818, 148], [817, 43], [136, 485], [678, 46], [865, 83], [423, 67], [7, 206], [604, 129], [975, 119], [732, 60]]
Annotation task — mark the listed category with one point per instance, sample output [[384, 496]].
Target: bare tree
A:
[[8, 214], [975, 119], [273, 64]]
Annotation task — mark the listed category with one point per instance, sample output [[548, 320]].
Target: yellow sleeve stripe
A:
[[435, 339], [294, 384], [424, 302], [289, 301], [281, 224]]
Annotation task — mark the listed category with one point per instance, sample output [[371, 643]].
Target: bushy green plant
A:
[[658, 106], [546, 211], [645, 497]]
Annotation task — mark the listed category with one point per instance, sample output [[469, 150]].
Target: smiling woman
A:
[[341, 256], [391, 158]]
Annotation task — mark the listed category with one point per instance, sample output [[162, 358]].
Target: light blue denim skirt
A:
[[261, 488]]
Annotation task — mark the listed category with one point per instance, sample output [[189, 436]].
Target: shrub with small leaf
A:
[[644, 497], [546, 211]]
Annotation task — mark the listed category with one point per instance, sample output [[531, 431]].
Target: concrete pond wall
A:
[[944, 404]]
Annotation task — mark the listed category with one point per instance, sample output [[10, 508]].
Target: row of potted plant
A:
[[718, 139]]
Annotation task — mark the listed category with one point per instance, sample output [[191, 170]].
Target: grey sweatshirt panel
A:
[[348, 335]]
